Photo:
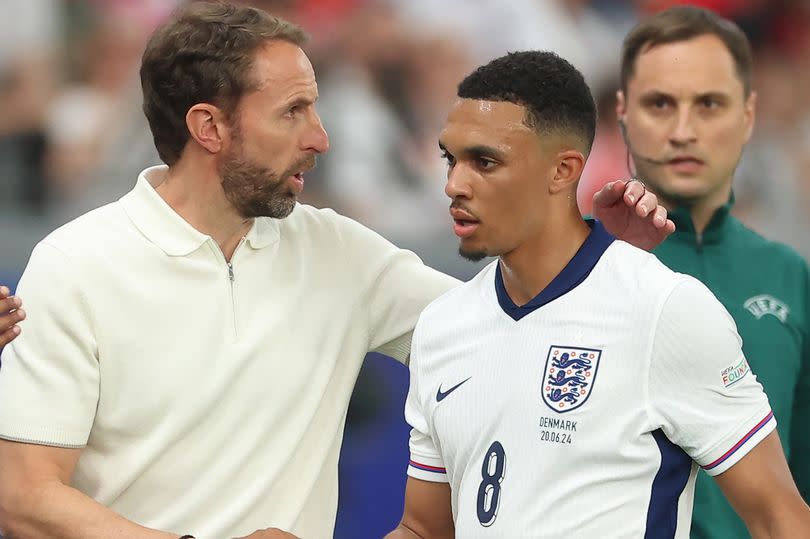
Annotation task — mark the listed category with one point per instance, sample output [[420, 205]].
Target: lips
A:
[[685, 159], [459, 214], [686, 164], [464, 223], [297, 182]]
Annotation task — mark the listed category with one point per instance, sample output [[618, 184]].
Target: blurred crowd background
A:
[[72, 137]]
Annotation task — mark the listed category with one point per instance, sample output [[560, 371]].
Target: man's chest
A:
[[540, 394], [214, 330], [527, 422]]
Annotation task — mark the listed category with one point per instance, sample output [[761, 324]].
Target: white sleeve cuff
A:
[[738, 444], [427, 469]]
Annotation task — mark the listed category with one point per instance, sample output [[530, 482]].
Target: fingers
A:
[[8, 336], [11, 313], [631, 191], [648, 204], [659, 216], [634, 191], [609, 194], [648, 207]]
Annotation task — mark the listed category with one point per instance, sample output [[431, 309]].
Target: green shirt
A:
[[766, 288]]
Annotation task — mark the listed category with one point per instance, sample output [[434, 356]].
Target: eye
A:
[[660, 103], [449, 158], [484, 163], [293, 111], [709, 102]]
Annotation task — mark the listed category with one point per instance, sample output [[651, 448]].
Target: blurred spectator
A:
[[98, 137], [29, 37], [732, 9], [571, 28], [84, 119], [773, 182], [383, 103]]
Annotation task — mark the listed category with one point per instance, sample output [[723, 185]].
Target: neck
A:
[[702, 210], [195, 193], [528, 269]]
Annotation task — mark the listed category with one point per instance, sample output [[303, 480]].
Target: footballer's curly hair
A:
[[553, 92]]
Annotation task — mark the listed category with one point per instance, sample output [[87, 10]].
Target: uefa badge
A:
[[569, 377]]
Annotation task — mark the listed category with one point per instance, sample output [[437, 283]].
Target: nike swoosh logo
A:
[[441, 395]]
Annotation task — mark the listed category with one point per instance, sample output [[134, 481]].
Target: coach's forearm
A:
[[54, 510]]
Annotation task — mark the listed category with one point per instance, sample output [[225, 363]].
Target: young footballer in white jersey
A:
[[573, 387]]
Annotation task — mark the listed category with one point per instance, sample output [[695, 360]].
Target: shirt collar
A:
[[682, 218], [164, 227], [571, 276]]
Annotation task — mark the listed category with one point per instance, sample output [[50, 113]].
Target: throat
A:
[[230, 242], [522, 288], [530, 269]]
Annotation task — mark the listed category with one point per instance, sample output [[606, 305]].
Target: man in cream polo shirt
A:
[[242, 384], [190, 350]]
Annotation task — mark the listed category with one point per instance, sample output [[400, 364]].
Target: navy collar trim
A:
[[571, 276]]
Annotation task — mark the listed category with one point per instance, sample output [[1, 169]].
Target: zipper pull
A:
[[230, 271]]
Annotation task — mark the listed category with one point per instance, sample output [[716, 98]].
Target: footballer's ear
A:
[[569, 166]]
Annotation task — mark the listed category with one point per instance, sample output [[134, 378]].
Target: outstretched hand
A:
[[631, 213], [10, 313]]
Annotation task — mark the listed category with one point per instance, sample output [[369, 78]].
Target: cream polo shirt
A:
[[208, 398]]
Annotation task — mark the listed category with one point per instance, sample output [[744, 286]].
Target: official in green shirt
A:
[[686, 109]]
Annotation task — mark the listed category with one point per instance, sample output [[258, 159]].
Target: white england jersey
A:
[[586, 412]]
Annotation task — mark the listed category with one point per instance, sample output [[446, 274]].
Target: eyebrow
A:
[[478, 150], [654, 94], [300, 101]]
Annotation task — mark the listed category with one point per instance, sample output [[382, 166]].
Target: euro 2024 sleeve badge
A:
[[569, 377]]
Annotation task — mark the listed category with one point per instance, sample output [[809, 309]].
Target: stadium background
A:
[[72, 137]]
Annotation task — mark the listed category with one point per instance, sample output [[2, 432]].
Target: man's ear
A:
[[570, 164], [207, 126], [750, 114], [621, 105]]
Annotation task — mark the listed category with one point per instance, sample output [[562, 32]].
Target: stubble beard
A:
[[472, 256], [255, 190]]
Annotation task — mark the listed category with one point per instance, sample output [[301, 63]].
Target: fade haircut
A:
[[553, 92], [203, 54], [683, 23]]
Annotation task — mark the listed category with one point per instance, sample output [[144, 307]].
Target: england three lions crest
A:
[[569, 376]]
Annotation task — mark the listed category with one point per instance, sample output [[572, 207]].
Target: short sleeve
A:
[[702, 392], [49, 380], [425, 461]]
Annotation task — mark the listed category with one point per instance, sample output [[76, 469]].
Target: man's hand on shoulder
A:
[[631, 213], [11, 313]]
